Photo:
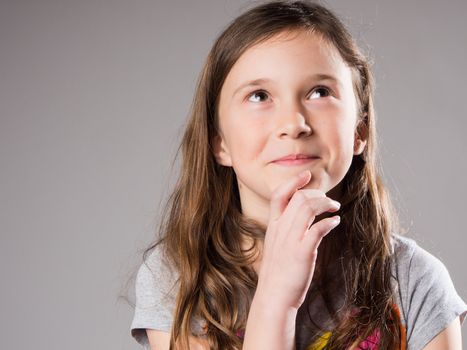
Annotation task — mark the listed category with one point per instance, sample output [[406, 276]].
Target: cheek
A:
[[347, 145], [339, 136], [340, 146], [247, 142]]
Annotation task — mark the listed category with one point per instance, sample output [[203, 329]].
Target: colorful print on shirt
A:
[[370, 343]]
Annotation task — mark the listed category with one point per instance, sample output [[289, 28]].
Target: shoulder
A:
[[426, 295], [156, 281], [408, 257], [155, 292], [156, 267], [405, 248], [413, 265], [415, 268]]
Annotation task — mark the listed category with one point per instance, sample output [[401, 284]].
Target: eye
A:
[[257, 94], [320, 90]]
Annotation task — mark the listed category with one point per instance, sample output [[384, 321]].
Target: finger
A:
[[281, 195], [312, 237], [299, 198], [297, 218]]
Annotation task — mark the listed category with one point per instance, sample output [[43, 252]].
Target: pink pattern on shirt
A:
[[371, 343]]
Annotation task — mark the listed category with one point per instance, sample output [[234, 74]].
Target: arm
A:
[[160, 340], [269, 326], [287, 263], [449, 339], [265, 323], [431, 304]]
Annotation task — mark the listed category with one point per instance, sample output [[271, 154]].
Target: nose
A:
[[292, 122]]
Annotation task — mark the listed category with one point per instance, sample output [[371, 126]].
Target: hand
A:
[[292, 240]]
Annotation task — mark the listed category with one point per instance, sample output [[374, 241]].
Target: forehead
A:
[[296, 43], [287, 54]]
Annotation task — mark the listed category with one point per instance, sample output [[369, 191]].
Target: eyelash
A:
[[329, 91]]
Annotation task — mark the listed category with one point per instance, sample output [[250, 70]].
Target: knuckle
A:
[[310, 208], [300, 196], [320, 193], [314, 254], [315, 193]]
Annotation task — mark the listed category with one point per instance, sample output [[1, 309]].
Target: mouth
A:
[[296, 159]]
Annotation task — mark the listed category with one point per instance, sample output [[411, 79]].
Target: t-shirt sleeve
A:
[[430, 299], [155, 297]]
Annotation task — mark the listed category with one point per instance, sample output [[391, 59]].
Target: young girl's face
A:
[[301, 101]]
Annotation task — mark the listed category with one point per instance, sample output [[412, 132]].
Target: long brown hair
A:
[[203, 227]]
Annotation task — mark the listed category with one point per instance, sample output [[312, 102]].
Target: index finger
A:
[[282, 194]]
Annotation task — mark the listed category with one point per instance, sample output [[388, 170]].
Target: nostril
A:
[[295, 130]]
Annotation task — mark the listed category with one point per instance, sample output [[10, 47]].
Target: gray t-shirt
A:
[[425, 296]]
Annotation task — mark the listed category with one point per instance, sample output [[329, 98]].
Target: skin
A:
[[292, 114]]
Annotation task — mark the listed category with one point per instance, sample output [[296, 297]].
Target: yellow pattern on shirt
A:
[[320, 343]]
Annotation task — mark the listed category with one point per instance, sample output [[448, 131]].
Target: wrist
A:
[[278, 298], [274, 316], [271, 304], [270, 325]]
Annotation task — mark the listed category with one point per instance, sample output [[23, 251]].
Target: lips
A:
[[295, 157]]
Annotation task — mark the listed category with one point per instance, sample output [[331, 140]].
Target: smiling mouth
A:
[[298, 161]]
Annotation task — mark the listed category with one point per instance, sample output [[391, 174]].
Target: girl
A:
[[279, 234]]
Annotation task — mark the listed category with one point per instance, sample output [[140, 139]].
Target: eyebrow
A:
[[315, 77]]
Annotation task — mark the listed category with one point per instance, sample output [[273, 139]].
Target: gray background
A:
[[93, 98]]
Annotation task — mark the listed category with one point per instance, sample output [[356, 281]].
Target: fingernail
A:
[[337, 220], [336, 203]]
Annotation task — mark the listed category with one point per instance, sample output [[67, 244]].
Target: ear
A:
[[360, 139], [359, 146], [221, 152]]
